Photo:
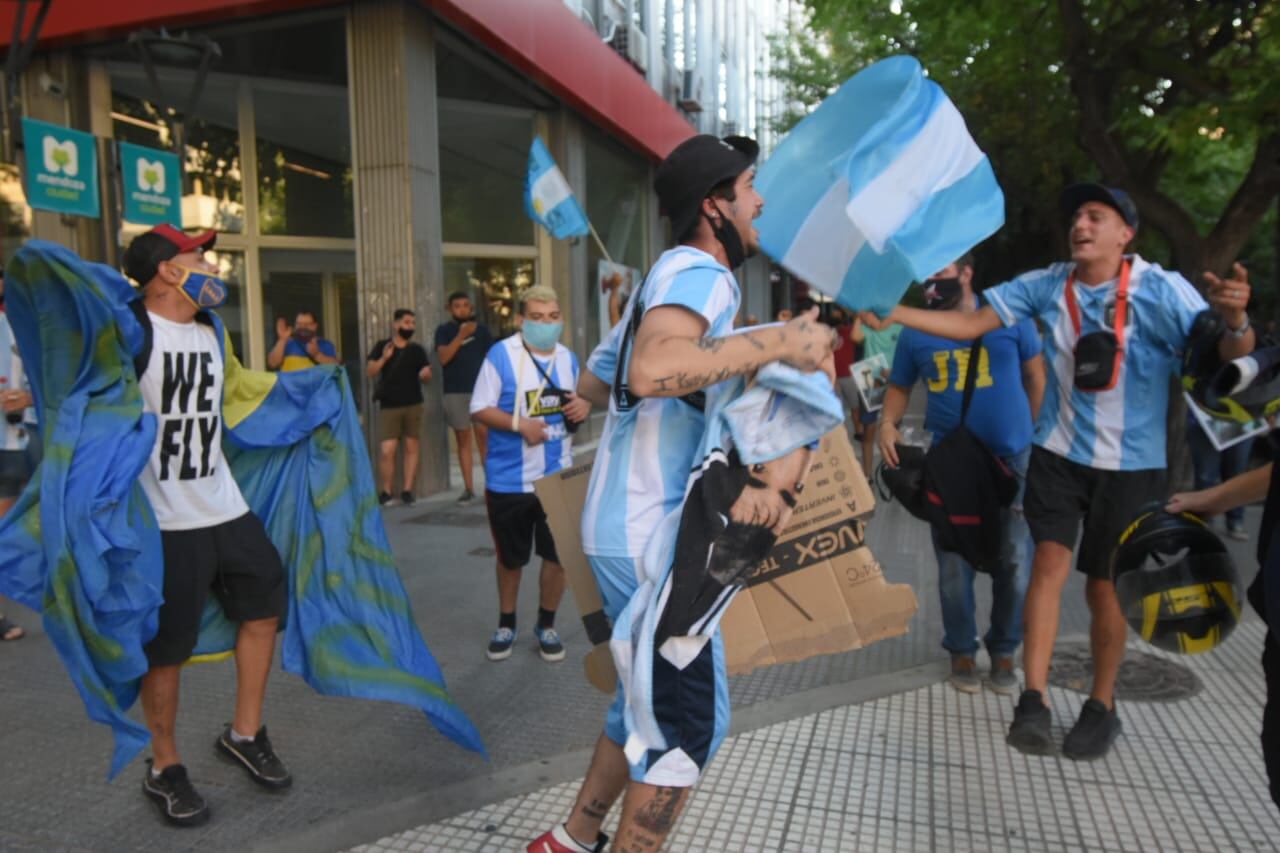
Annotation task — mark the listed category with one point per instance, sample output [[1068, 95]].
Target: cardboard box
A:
[[820, 591]]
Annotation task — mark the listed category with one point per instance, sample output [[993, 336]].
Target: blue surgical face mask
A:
[[542, 336], [204, 290]]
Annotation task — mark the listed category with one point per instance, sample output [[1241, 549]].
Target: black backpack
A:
[[966, 488]]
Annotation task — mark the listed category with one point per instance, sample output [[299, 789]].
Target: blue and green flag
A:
[[82, 545]]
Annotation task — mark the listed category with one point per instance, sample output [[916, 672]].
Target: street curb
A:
[[448, 800]]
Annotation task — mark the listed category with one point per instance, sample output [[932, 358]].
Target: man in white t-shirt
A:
[[212, 543], [523, 394]]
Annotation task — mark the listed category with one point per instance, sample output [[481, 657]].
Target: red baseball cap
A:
[[162, 243]]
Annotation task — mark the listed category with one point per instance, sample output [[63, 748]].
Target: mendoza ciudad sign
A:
[[152, 185], [62, 169]]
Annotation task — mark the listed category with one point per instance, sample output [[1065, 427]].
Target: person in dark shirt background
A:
[[461, 345], [400, 367]]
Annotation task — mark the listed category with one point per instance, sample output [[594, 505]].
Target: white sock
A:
[[562, 836], [236, 737]]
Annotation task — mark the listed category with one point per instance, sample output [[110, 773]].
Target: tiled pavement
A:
[[928, 770]]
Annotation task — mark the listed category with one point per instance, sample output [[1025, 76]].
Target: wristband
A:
[[1237, 334]]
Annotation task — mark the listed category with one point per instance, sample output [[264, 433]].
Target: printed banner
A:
[[152, 185], [62, 169]]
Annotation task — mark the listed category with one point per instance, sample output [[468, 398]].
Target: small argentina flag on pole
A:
[[880, 186], [548, 199]]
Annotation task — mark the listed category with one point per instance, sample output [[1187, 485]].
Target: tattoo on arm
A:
[[709, 344], [754, 341]]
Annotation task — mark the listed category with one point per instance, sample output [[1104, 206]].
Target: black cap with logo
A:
[[693, 168]]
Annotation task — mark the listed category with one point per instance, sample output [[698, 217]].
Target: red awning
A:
[[540, 38], [544, 40]]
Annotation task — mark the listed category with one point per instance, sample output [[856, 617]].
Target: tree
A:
[[1176, 101]]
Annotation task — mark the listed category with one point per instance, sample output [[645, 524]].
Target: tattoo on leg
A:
[[596, 809], [659, 814]]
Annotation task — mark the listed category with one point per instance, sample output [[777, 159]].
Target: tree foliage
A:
[[1177, 101]]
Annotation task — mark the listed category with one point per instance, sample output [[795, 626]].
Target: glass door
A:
[[319, 282]]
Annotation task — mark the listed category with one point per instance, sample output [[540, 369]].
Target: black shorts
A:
[[15, 470], [518, 525], [236, 562], [1062, 494]]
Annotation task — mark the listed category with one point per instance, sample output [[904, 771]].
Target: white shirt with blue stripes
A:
[[1122, 429], [510, 377], [649, 446]]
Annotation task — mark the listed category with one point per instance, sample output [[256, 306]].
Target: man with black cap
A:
[[212, 542], [658, 368], [1117, 326]]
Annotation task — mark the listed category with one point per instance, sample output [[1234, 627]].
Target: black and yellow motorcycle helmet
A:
[[1176, 582], [1243, 390]]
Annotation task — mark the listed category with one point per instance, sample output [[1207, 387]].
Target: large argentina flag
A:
[[881, 186], [548, 199]]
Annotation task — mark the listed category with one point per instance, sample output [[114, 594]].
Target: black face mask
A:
[[728, 236], [942, 294], [405, 333]]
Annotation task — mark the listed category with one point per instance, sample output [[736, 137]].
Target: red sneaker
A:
[[550, 842]]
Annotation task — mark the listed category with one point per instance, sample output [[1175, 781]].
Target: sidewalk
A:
[[928, 769], [365, 770]]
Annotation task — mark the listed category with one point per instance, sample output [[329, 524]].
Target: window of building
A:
[[616, 194], [305, 181], [268, 163]]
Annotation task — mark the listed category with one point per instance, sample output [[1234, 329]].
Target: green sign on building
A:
[[152, 185], [62, 169]]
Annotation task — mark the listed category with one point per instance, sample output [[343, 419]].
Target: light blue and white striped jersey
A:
[[509, 373], [648, 447], [1122, 429], [13, 378]]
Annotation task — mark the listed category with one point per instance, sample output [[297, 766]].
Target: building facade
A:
[[362, 157]]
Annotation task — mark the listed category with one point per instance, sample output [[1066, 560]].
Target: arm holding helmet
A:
[[1240, 490]]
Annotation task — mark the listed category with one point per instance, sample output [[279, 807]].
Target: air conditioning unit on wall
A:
[[691, 92], [633, 45]]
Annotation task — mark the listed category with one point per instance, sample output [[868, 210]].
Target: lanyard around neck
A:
[[515, 416], [1122, 301]]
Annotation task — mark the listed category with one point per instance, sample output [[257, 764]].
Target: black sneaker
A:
[[1092, 735], [384, 498], [466, 498], [1029, 732], [175, 796], [257, 758], [406, 498]]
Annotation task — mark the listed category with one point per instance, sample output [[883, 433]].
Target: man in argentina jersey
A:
[[522, 394], [656, 370], [1099, 455]]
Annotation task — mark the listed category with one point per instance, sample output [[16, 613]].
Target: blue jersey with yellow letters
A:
[[999, 413]]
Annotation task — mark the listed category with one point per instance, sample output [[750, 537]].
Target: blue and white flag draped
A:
[[548, 199], [881, 186]]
